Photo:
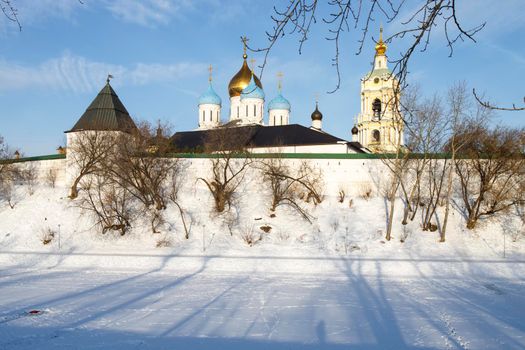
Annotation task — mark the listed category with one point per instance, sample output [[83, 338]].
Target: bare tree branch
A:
[[489, 105]]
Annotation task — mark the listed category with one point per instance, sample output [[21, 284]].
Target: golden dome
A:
[[242, 79], [381, 46]]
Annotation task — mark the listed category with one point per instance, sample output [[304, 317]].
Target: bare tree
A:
[[10, 11], [490, 171], [417, 24], [175, 184], [398, 162], [29, 175], [51, 177], [288, 186], [229, 160], [8, 174], [88, 152], [141, 165], [464, 118], [109, 204], [492, 106]]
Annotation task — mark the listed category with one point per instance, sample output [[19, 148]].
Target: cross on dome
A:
[[280, 76], [245, 40]]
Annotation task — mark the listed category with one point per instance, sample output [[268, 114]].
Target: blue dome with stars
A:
[[210, 97], [279, 103], [252, 91]]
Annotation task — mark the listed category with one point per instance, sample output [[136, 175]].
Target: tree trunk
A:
[[447, 203], [395, 184], [73, 192]]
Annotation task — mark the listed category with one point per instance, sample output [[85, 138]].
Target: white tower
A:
[[209, 107], [279, 108], [380, 128]]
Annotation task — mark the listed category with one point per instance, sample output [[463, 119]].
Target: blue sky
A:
[[159, 50]]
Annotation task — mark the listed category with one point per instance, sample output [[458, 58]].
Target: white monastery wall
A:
[[352, 176], [43, 167]]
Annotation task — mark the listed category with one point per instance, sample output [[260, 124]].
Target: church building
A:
[[269, 127]]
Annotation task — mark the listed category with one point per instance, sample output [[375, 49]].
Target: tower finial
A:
[[381, 46], [280, 76], [210, 70], [245, 40], [109, 78]]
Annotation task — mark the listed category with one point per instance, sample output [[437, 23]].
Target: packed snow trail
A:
[[203, 307]]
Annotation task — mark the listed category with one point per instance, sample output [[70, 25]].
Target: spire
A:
[[381, 46]]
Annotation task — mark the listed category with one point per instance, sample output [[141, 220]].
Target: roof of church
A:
[[262, 136], [210, 97], [106, 112], [252, 90], [279, 102]]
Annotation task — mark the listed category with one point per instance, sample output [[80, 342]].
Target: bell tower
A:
[[379, 125]]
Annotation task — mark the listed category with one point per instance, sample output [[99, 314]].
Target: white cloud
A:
[[147, 12], [78, 74]]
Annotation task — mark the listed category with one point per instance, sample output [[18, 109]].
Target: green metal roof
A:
[[379, 72], [106, 112]]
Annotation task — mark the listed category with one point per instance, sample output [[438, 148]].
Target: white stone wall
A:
[[43, 167], [352, 176]]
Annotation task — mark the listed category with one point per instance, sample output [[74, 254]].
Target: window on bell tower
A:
[[376, 108], [376, 136]]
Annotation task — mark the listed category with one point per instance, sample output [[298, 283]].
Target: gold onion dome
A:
[[381, 46], [243, 77]]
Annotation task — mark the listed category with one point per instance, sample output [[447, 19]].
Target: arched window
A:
[[376, 136], [376, 108], [281, 120], [237, 111], [254, 110], [211, 115], [203, 116], [246, 110]]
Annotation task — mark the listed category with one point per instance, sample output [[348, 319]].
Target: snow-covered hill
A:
[[332, 284]]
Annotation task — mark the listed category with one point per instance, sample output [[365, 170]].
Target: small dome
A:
[[210, 97], [355, 130], [252, 91], [317, 115], [279, 103], [241, 80]]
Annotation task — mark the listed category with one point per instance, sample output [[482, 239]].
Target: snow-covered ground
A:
[[335, 284]]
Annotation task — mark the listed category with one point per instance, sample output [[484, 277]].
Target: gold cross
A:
[[245, 40], [280, 76], [210, 69]]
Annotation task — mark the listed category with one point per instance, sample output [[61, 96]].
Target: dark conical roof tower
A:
[[105, 113]]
